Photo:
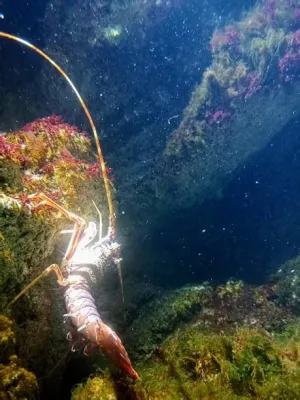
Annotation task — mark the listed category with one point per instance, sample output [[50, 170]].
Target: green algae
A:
[[249, 363], [228, 346], [251, 47], [158, 319], [26, 240], [94, 389], [231, 288], [193, 364], [287, 281], [16, 382]]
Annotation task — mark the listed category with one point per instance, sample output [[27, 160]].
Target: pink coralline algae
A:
[[53, 157], [230, 37], [217, 116], [93, 170], [90, 170], [53, 125], [269, 10], [289, 65], [294, 39], [254, 84], [12, 151], [296, 15]]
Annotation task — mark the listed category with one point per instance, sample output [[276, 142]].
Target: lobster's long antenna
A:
[[112, 216]]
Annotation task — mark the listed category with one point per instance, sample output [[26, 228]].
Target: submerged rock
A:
[[246, 96], [238, 344], [163, 315], [246, 364], [95, 388], [287, 280], [221, 308], [47, 156], [16, 382]]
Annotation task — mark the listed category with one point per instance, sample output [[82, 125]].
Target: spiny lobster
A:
[[85, 254], [82, 256]]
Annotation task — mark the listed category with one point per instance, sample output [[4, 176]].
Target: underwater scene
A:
[[149, 199]]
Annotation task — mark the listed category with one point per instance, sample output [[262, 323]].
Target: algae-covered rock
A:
[[26, 240], [98, 388], [161, 316], [287, 286], [231, 341], [249, 363], [16, 382], [223, 307], [150, 388], [246, 96], [197, 364], [52, 157], [240, 365]]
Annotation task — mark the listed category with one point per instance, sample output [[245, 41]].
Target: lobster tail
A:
[[112, 346], [80, 303], [88, 324]]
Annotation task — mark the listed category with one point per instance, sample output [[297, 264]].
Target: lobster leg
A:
[[80, 303], [53, 267], [79, 222], [76, 236]]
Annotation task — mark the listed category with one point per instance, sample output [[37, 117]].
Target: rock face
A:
[[136, 66], [247, 96], [52, 157], [233, 342], [15, 381], [204, 169], [137, 86]]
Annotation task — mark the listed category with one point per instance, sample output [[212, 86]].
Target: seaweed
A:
[[16, 382]]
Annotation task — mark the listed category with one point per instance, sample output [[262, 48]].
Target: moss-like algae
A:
[[158, 319], [246, 56], [212, 355], [288, 284], [25, 241], [230, 288], [193, 364], [98, 388], [53, 157], [246, 364], [16, 382]]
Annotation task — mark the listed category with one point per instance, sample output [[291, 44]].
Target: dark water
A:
[[249, 232], [24, 19]]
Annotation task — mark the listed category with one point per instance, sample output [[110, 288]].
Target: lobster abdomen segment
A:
[[82, 310]]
